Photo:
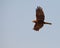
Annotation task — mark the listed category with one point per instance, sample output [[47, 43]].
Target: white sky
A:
[[16, 27]]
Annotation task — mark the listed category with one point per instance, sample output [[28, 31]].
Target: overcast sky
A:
[[16, 26]]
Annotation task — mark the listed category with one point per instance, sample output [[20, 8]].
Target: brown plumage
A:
[[39, 22]]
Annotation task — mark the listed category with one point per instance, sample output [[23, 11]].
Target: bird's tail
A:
[[47, 23]]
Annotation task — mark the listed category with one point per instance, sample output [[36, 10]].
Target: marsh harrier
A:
[[39, 22]]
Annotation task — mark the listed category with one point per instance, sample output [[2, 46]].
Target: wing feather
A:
[[37, 26], [39, 14]]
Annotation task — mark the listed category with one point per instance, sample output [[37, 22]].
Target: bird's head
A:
[[34, 21]]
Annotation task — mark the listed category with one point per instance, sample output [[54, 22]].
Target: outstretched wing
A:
[[39, 19], [39, 14], [37, 26]]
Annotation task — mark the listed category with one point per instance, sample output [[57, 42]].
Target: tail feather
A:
[[47, 23]]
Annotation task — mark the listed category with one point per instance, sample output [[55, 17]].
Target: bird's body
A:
[[39, 22]]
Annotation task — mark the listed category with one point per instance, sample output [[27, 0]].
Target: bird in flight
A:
[[39, 22]]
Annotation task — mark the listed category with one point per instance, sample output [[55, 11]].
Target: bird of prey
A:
[[39, 22]]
